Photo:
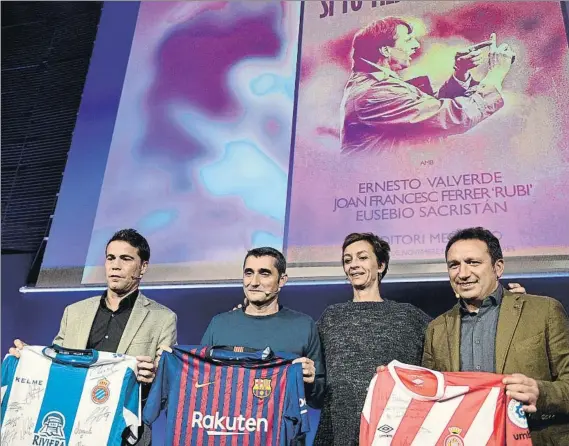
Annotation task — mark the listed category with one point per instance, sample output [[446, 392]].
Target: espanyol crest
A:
[[101, 392]]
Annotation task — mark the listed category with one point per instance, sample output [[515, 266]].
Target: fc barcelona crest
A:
[[262, 388], [100, 392]]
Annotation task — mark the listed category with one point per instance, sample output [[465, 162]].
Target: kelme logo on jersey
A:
[[454, 439], [516, 414], [51, 430], [222, 425], [262, 388], [101, 392]]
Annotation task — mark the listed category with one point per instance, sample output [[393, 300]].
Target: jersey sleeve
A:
[[295, 417], [131, 407], [367, 431], [315, 391], [158, 395], [517, 432], [8, 371]]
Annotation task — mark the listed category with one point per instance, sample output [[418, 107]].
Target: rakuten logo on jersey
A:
[[222, 425]]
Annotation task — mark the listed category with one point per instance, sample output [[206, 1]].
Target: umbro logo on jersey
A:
[[522, 436], [199, 386], [385, 429]]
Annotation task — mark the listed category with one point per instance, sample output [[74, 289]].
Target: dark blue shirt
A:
[[285, 331], [478, 334]]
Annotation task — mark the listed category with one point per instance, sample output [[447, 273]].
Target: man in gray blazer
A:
[[122, 319]]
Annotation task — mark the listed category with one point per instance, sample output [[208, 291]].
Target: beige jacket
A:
[[150, 325]]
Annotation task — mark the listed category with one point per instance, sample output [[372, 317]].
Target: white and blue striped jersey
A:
[[60, 397]]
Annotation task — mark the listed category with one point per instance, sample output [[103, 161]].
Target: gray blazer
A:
[[149, 326]]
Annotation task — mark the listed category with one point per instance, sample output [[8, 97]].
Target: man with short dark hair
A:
[[492, 330], [381, 111], [122, 319], [263, 322]]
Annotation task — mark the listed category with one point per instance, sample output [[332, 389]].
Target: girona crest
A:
[[454, 439]]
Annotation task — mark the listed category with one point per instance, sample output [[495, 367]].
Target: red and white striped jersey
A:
[[414, 406]]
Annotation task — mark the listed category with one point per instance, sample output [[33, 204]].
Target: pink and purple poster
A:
[[431, 141]]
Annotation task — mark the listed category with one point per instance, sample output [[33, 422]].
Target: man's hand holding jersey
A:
[[308, 369], [524, 389], [145, 369], [18, 345]]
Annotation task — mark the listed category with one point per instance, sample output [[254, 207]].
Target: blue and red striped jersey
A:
[[217, 396]]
